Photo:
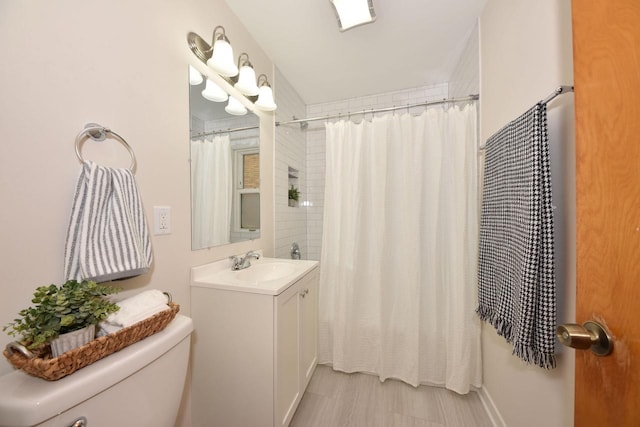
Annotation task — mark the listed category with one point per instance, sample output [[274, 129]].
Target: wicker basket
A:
[[55, 368]]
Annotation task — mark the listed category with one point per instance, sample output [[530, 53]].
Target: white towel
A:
[[108, 238], [133, 310]]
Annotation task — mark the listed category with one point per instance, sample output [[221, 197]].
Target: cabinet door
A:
[[287, 380], [308, 327]]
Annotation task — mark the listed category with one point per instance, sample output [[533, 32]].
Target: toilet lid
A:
[[26, 400]]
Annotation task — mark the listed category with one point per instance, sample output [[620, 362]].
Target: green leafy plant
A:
[[293, 193], [61, 309]]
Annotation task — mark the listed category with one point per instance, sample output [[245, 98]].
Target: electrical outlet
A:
[[161, 220]]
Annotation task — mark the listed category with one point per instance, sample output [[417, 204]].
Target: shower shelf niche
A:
[[293, 175]]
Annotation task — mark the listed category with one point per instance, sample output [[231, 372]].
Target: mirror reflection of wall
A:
[[225, 172]]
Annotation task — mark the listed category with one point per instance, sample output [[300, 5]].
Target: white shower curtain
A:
[[399, 248], [211, 191]]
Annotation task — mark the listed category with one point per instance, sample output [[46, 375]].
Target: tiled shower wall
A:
[[316, 145], [290, 222]]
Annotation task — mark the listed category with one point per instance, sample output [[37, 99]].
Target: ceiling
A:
[[412, 43]]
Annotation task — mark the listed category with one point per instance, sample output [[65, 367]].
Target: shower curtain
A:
[[211, 191], [399, 248]]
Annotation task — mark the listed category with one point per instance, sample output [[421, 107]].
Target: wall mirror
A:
[[225, 171]]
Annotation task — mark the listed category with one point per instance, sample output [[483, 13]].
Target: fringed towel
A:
[[517, 292], [108, 238]]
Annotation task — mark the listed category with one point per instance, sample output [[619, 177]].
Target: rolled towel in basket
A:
[[133, 310]]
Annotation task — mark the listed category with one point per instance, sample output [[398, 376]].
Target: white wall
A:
[[525, 53], [291, 151], [122, 64], [465, 78], [316, 144]]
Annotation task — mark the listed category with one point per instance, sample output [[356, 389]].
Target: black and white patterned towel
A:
[[517, 291]]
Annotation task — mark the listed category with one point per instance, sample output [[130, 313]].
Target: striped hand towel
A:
[[108, 238], [517, 290]]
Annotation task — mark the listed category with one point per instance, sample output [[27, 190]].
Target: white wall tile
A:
[[290, 222]]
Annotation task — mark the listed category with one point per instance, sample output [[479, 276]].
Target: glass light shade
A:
[[265, 99], [195, 78], [214, 93], [222, 61], [352, 13], [235, 107], [247, 81]]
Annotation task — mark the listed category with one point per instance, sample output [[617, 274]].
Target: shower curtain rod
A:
[[305, 121], [215, 132], [336, 116], [559, 91]]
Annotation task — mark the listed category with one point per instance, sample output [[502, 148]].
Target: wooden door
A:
[[606, 37]]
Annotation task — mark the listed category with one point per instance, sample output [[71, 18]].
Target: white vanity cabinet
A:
[[296, 339], [253, 352]]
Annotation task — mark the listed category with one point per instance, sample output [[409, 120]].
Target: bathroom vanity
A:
[[255, 341]]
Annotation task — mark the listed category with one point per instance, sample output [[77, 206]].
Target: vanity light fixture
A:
[[195, 78], [247, 78], [351, 13], [265, 100], [235, 107], [221, 60], [213, 92]]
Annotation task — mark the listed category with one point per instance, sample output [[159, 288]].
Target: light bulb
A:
[[247, 81], [222, 59], [195, 78], [235, 107], [265, 100], [213, 92]]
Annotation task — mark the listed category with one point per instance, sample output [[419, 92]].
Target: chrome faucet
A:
[[242, 262]]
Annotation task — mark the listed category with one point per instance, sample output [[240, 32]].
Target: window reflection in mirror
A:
[[248, 191], [225, 173]]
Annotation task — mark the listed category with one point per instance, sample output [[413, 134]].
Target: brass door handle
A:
[[590, 335]]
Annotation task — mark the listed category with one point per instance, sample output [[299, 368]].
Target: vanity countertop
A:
[[270, 276]]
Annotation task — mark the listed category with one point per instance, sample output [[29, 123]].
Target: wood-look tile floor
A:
[[336, 399]]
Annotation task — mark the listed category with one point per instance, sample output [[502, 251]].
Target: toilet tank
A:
[[141, 385]]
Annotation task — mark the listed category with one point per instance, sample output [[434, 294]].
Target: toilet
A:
[[141, 385]]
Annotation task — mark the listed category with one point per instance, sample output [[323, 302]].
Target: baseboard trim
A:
[[490, 408]]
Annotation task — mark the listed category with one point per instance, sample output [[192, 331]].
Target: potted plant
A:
[[60, 311], [294, 195]]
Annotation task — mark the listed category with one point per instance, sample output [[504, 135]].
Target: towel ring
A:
[[99, 133]]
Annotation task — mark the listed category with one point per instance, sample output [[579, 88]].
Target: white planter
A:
[[292, 203], [71, 340]]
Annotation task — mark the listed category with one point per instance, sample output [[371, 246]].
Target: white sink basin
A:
[[265, 272], [265, 276]]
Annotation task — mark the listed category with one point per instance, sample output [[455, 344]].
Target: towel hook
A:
[[99, 133]]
